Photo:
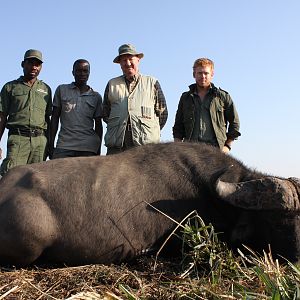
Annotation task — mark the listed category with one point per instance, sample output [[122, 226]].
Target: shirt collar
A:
[[193, 88], [73, 86], [21, 79], [134, 78]]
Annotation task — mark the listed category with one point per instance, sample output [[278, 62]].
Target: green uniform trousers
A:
[[22, 150]]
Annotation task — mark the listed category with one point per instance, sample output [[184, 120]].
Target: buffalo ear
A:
[[268, 193]]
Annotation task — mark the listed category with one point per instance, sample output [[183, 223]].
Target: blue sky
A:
[[255, 46]]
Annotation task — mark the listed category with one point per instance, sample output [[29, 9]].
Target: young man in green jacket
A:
[[205, 113]]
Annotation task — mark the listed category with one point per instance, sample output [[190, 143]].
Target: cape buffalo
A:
[[96, 209]]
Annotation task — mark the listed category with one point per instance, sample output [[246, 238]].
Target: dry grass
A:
[[209, 270], [140, 281], [136, 281]]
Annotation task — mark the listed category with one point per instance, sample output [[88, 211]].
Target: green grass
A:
[[245, 275]]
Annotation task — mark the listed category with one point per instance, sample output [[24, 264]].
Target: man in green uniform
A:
[[25, 109]]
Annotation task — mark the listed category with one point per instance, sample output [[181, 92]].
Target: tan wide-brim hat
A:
[[127, 49]]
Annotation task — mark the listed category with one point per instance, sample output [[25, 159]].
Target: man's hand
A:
[[225, 150]]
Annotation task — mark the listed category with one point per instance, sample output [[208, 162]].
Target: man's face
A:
[[203, 76], [81, 73], [129, 65], [31, 68]]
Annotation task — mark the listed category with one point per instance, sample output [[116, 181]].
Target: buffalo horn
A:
[[268, 193]]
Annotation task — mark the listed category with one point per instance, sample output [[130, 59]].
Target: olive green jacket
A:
[[223, 115]]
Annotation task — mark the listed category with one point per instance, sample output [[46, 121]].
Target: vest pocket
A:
[[149, 131], [113, 133]]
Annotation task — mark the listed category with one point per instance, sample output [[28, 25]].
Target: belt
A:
[[27, 132]]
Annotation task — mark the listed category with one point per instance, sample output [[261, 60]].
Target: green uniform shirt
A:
[[26, 106]]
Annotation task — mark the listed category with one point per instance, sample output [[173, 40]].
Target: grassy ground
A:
[[209, 270]]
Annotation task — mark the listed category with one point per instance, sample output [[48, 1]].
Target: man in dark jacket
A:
[[205, 113]]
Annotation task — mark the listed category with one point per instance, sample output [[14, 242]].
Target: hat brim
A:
[[30, 57], [117, 59]]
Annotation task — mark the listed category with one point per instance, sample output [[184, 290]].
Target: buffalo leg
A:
[[27, 228]]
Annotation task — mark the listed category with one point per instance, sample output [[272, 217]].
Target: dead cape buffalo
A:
[[94, 210]]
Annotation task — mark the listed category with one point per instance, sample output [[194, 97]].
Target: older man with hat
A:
[[134, 105], [25, 109]]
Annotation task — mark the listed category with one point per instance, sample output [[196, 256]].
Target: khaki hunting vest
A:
[[138, 106]]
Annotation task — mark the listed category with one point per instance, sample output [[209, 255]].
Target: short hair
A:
[[80, 61], [203, 62]]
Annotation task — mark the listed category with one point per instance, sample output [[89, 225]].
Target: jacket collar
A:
[[193, 88]]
